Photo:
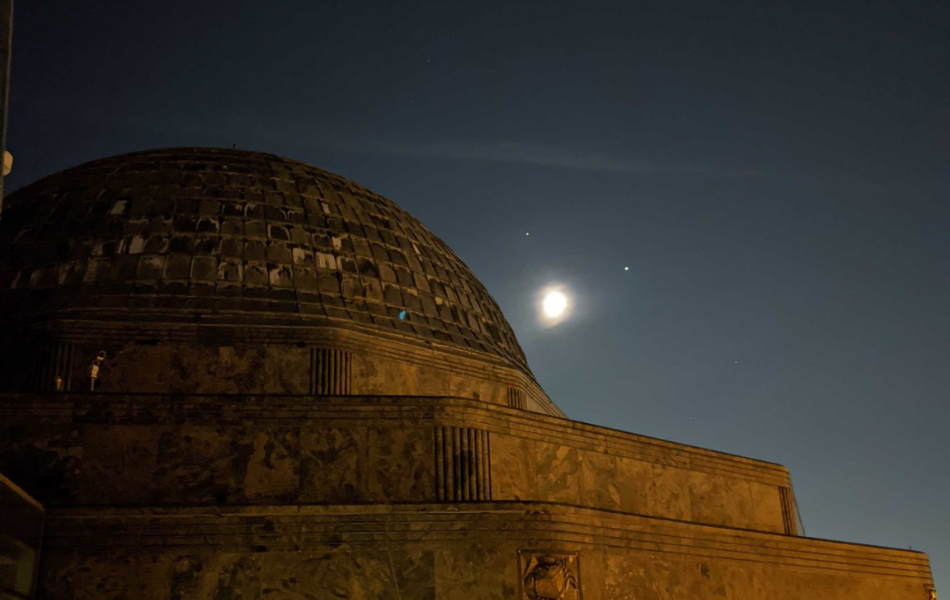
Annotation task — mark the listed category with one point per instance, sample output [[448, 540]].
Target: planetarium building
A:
[[232, 375]]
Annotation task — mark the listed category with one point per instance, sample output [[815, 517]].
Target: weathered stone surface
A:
[[439, 551], [717, 499], [455, 577], [120, 577], [634, 482], [206, 450], [514, 468], [330, 465], [670, 494], [231, 576], [598, 481], [119, 464], [401, 464], [307, 575], [559, 469], [393, 573], [767, 507]]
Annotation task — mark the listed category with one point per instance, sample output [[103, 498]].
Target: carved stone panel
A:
[[330, 372], [549, 576], [52, 366], [516, 398], [462, 464], [788, 510]]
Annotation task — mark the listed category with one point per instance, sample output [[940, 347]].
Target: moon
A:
[[554, 304]]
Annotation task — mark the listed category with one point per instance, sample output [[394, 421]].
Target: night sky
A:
[[774, 174]]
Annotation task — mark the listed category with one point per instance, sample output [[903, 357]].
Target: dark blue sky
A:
[[774, 174]]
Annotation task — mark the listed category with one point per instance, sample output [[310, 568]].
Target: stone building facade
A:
[[301, 392]]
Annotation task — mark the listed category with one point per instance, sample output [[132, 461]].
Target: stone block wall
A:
[[486, 551], [525, 469], [178, 359], [154, 450]]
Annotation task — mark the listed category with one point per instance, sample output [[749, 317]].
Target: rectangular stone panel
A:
[[119, 464], [634, 485], [670, 497], [767, 505], [272, 467], [462, 464], [330, 465], [393, 574], [400, 466], [559, 469], [317, 575], [479, 573], [514, 474], [720, 500], [202, 576], [331, 372], [117, 577], [598, 480], [211, 465]]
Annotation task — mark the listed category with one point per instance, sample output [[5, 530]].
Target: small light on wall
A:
[[94, 369]]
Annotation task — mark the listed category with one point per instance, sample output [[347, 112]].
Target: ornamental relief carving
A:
[[549, 576]]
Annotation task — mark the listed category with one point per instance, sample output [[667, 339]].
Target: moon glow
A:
[[554, 305]]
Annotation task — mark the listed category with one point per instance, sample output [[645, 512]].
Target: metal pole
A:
[[6, 51]]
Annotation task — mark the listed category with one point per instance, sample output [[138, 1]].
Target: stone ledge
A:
[[330, 410], [336, 334], [298, 528]]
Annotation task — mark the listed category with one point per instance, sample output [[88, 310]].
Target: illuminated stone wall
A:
[[140, 450], [481, 552]]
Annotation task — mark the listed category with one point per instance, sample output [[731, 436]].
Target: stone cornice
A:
[[341, 335]]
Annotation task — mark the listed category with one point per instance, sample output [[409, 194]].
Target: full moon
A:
[[554, 304]]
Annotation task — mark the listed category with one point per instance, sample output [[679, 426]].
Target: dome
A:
[[242, 238]]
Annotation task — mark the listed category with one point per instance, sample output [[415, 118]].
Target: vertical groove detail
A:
[[788, 511], [462, 464], [470, 459], [456, 464], [330, 372], [488, 463], [53, 361], [479, 472], [439, 465], [516, 398]]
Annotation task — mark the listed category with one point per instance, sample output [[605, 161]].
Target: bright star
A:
[[626, 268]]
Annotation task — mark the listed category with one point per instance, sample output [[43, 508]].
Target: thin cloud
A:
[[541, 155], [249, 130]]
